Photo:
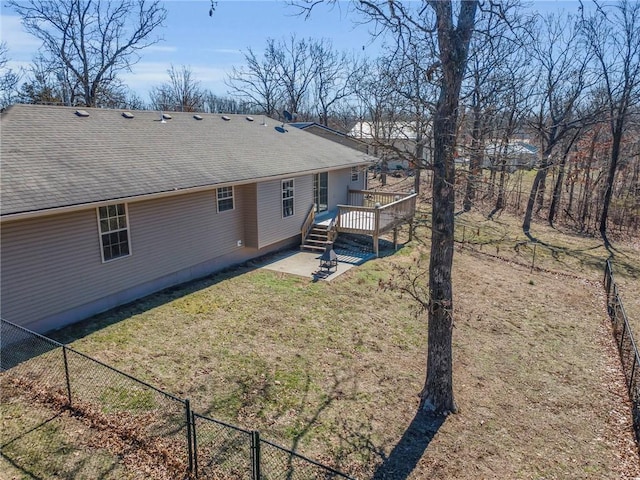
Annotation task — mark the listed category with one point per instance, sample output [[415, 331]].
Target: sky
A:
[[210, 46]]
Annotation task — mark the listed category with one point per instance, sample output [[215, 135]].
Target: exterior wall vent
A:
[[198, 117], [166, 116], [225, 118], [250, 119], [127, 114], [82, 113]]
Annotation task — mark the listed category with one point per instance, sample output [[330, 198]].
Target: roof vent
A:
[[127, 114], [225, 118], [198, 117], [166, 116], [250, 119], [82, 113]]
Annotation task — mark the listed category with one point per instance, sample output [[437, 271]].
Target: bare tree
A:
[[296, 65], [93, 40], [567, 146], [43, 85], [494, 91], [292, 73], [417, 84], [182, 93], [453, 31], [452, 24], [333, 78], [454, 36], [613, 35], [381, 112], [9, 79], [258, 82], [563, 82]]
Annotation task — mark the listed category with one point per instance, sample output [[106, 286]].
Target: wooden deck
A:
[[368, 213], [374, 213]]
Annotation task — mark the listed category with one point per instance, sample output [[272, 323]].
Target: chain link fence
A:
[[169, 439], [627, 346], [278, 463]]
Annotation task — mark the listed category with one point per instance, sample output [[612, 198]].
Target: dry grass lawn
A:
[[333, 369]]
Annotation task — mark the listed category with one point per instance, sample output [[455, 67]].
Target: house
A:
[[516, 155], [101, 207], [395, 142], [333, 135]]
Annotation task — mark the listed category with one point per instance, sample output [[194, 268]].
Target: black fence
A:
[[626, 344], [185, 443]]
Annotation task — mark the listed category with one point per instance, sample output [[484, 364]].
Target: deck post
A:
[[411, 230], [376, 231], [395, 238]]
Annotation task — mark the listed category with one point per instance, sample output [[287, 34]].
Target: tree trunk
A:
[[437, 394], [453, 45], [538, 182], [417, 167], [557, 190], [571, 179], [616, 140], [475, 161], [501, 188], [542, 186]]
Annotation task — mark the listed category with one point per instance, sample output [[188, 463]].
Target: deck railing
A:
[[378, 217], [400, 211], [351, 219], [369, 198]]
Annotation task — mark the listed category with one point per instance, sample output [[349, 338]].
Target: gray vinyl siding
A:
[[249, 194], [46, 264], [181, 231], [272, 227], [53, 264], [339, 185]]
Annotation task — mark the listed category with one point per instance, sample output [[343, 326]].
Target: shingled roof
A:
[[53, 157]]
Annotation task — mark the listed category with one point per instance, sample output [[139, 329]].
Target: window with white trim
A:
[[114, 231], [225, 199], [287, 198], [355, 174]]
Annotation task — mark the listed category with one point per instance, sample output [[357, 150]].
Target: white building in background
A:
[[393, 142], [517, 155]]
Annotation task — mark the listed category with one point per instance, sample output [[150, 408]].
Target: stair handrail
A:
[[332, 232], [308, 223]]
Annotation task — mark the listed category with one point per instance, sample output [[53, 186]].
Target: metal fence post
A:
[[633, 371], [187, 408], [533, 261], [66, 373], [624, 329], [195, 445], [255, 455]]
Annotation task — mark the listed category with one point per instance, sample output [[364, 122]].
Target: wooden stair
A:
[[318, 239]]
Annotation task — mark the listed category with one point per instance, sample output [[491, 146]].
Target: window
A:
[[355, 174], [287, 198], [114, 231], [225, 199]]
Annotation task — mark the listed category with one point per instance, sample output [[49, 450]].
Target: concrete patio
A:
[[306, 264]]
